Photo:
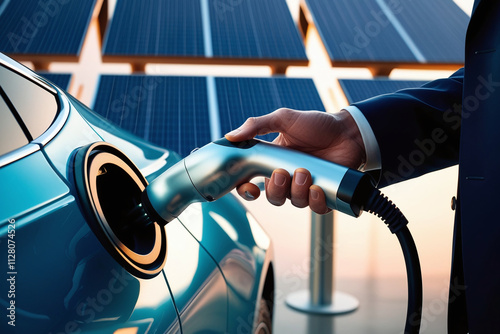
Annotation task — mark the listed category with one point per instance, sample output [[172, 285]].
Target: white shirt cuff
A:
[[373, 158]]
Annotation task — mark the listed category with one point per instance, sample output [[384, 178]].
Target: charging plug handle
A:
[[217, 168], [212, 171]]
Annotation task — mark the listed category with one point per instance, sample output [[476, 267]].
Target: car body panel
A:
[[25, 188], [197, 285], [66, 281], [60, 151], [229, 234]]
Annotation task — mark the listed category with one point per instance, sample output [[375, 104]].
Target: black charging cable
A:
[[381, 206]]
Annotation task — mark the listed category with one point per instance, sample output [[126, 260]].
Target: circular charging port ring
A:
[[109, 184]]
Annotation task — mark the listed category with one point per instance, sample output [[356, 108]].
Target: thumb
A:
[[253, 126]]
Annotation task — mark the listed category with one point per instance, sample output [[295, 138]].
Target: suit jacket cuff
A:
[[373, 157]]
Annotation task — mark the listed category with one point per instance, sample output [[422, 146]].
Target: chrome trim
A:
[[25, 72], [57, 124], [18, 154]]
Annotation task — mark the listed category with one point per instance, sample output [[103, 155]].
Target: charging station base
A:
[[341, 303]]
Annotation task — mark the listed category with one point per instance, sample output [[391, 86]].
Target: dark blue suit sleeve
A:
[[418, 130]]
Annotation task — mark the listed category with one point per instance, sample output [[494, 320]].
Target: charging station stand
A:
[[321, 298]]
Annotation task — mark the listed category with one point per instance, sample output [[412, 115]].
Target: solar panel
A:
[[44, 27], [169, 111], [155, 28], [357, 90], [207, 31], [437, 27], [255, 29], [425, 31], [61, 80], [173, 112], [341, 25], [240, 98]]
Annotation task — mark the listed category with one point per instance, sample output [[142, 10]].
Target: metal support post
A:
[[321, 298]]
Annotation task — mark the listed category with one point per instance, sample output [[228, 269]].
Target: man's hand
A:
[[333, 137]]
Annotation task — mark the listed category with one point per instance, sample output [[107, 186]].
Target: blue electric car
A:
[[71, 261]]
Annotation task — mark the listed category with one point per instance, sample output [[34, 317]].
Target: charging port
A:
[[110, 187]]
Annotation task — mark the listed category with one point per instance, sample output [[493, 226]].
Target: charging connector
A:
[[217, 168]]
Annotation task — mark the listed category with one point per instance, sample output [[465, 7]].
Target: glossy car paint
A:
[[67, 282]]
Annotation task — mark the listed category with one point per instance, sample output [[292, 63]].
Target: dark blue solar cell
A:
[[240, 98], [173, 111], [357, 90], [155, 28], [357, 30], [426, 31], [44, 26], [61, 80], [259, 29], [254, 29], [169, 111], [437, 28]]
